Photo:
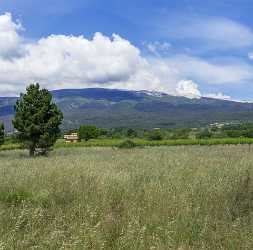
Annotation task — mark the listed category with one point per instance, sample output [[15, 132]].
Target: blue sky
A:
[[183, 47]]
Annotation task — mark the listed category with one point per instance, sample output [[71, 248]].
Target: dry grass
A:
[[188, 197]]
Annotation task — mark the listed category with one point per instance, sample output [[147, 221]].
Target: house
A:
[[71, 138]]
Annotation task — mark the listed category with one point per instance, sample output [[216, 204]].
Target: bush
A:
[[155, 135], [204, 134], [234, 133], [131, 133], [181, 133], [127, 144]]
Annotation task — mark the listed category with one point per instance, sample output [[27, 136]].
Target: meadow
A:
[[182, 197]]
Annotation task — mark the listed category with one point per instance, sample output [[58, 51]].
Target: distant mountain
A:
[[145, 109]]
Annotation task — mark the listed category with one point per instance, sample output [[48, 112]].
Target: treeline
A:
[[87, 132]]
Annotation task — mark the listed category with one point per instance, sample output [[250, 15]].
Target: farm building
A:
[[71, 138]]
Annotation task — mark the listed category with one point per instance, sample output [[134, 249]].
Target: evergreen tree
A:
[[37, 119]]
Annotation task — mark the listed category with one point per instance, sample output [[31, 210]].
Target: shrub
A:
[[181, 133], [204, 134], [155, 135], [127, 144], [131, 133]]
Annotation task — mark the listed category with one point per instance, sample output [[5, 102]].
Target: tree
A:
[[204, 134], [155, 135], [131, 133], [87, 132], [181, 133], [37, 119], [1, 133]]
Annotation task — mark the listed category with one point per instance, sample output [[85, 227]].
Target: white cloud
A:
[[60, 61], [217, 32], [231, 72], [250, 55], [157, 47], [9, 38], [218, 95], [188, 89]]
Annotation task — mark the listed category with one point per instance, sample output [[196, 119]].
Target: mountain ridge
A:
[[146, 109]]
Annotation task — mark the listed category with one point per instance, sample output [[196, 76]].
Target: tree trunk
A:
[[32, 151]]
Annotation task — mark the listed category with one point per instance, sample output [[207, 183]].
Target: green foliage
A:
[[234, 133], [155, 135], [140, 142], [131, 133], [1, 134], [248, 133], [204, 134], [11, 146], [37, 119], [181, 133], [127, 144], [70, 131], [102, 132], [15, 198], [87, 132]]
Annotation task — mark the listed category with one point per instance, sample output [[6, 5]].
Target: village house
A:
[[71, 138]]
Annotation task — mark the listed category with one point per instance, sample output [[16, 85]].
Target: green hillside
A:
[[139, 109]]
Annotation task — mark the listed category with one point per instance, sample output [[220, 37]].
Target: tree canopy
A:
[[37, 119], [87, 132]]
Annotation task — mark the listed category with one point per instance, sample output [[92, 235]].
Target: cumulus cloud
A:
[[188, 89], [60, 61], [9, 38]]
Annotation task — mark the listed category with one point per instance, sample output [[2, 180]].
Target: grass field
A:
[[183, 197], [152, 143]]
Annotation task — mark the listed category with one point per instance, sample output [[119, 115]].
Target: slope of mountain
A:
[[121, 108]]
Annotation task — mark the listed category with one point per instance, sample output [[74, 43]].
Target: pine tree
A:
[[37, 119]]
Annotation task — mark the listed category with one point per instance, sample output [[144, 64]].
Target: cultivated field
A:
[[183, 197]]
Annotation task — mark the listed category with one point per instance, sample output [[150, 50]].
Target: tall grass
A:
[[148, 198], [143, 142]]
